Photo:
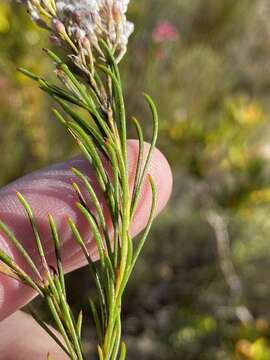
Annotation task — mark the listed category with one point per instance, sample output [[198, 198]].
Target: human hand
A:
[[50, 191]]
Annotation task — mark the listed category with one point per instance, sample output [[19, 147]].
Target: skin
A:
[[49, 191]]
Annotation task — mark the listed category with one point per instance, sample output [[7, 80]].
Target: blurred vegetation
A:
[[202, 289]]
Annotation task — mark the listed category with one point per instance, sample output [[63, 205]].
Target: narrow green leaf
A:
[[61, 328], [29, 74], [96, 233], [116, 344], [139, 164], [47, 329], [111, 58], [149, 223], [115, 213], [35, 230], [57, 247], [26, 279], [20, 248], [123, 352], [89, 145], [56, 92], [85, 125], [97, 206], [141, 241], [92, 266], [79, 194], [60, 117], [121, 108], [71, 327], [38, 243], [96, 320], [79, 86], [79, 324], [53, 56], [80, 241], [100, 353], [92, 194], [87, 156], [151, 149]]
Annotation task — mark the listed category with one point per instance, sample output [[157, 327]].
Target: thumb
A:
[[21, 327]]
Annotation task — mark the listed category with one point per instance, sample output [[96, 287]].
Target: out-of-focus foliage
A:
[[202, 289], [28, 139]]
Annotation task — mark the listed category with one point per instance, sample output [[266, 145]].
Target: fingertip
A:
[[159, 169], [161, 174]]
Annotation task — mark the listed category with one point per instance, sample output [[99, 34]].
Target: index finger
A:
[[50, 191]]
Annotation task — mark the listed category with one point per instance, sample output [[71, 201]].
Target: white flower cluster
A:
[[86, 19], [97, 18]]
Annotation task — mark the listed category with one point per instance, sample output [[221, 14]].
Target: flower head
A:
[[74, 20]]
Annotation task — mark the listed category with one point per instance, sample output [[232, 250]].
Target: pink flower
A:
[[165, 31]]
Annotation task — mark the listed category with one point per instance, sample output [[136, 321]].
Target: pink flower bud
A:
[[117, 16], [86, 43], [59, 27], [77, 17], [79, 34]]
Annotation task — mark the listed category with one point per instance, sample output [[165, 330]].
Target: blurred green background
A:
[[201, 291]]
